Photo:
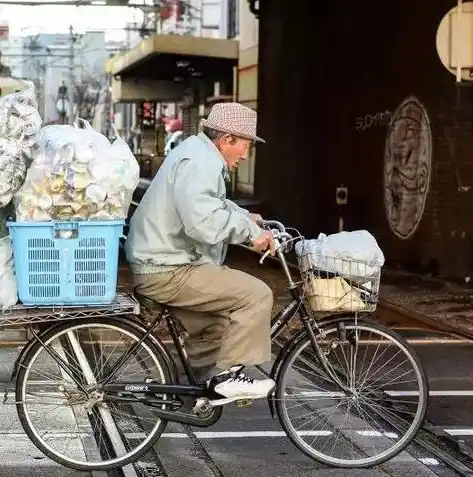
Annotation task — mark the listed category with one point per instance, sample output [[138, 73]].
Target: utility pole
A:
[[62, 102], [71, 88]]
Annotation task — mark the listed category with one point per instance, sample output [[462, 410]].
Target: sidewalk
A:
[[421, 297]]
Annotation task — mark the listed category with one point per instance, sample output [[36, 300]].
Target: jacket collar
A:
[[215, 153]]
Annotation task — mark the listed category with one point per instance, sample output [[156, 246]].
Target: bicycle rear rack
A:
[[21, 315]]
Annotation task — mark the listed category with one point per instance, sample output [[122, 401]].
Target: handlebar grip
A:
[[273, 223]]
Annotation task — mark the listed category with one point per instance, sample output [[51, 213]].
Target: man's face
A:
[[234, 150]]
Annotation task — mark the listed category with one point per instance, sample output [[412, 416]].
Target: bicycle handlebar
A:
[[273, 223], [279, 233]]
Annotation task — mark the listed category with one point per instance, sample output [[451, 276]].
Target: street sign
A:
[[341, 196]]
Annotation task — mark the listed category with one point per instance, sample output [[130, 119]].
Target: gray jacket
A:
[[184, 217]]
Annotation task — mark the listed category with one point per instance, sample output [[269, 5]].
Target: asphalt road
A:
[[449, 366], [249, 442], [18, 456]]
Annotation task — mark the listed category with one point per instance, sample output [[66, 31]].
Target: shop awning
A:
[[177, 58]]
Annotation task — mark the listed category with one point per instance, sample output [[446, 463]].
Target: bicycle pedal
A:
[[244, 403]]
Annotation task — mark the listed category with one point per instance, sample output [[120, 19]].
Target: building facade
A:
[[185, 90], [53, 60], [248, 32], [357, 96]]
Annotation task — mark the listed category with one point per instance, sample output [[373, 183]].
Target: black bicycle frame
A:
[[194, 389], [148, 391]]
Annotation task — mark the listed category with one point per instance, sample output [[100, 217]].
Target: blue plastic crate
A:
[[66, 263]]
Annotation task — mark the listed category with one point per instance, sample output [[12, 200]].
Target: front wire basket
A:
[[333, 284]]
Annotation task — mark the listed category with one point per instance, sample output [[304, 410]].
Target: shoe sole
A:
[[247, 397]]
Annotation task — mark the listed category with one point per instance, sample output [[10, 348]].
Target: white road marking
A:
[[241, 434], [429, 461], [400, 393], [462, 393], [230, 434], [370, 433], [253, 434], [459, 432]]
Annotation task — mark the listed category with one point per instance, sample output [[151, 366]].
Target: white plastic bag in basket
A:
[[8, 289], [347, 253]]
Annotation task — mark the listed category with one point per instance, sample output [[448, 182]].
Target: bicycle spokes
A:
[[381, 403], [83, 425]]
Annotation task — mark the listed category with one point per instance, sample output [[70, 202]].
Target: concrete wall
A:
[[247, 83], [353, 93], [131, 89]]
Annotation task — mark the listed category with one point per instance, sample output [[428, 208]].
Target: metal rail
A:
[[426, 320]]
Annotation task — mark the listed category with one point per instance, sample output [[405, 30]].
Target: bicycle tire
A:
[[376, 460], [49, 336]]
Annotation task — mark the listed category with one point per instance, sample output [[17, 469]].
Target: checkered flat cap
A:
[[233, 118]]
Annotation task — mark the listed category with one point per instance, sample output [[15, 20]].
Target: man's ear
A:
[[226, 139]]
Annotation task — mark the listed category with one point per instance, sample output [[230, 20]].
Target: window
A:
[[233, 19]]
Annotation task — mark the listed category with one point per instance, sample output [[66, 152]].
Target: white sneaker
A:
[[235, 384]]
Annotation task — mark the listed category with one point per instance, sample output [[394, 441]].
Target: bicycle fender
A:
[[292, 343]]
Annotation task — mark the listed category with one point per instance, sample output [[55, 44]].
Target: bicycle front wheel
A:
[[67, 417], [375, 416]]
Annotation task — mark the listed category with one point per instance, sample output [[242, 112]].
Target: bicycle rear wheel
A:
[[87, 431], [374, 422]]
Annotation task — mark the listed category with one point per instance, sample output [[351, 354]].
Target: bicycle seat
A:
[[148, 303]]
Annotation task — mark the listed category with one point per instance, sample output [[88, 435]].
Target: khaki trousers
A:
[[226, 312]]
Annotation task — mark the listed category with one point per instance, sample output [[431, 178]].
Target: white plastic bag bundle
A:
[[78, 175], [8, 289], [350, 254], [20, 125]]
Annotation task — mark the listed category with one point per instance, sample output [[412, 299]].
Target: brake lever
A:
[[263, 258], [277, 245]]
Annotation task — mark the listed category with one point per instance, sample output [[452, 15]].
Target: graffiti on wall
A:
[[379, 119], [407, 167]]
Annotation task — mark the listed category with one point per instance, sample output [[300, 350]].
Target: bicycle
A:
[[117, 420]]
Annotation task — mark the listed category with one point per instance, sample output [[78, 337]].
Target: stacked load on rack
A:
[[20, 126], [70, 189], [78, 175], [70, 214]]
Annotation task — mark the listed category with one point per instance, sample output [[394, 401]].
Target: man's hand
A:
[[256, 218], [265, 241]]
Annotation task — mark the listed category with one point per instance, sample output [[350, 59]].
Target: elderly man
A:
[[177, 244]]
